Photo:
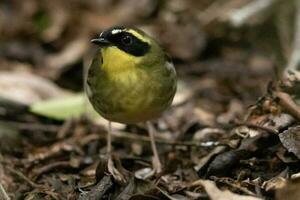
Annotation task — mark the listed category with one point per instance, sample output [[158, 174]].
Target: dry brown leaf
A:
[[274, 183], [290, 191], [216, 194], [290, 139], [27, 88]]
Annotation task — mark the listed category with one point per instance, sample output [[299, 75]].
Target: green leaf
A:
[[61, 108]]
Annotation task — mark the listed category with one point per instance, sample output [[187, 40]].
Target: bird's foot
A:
[[116, 170], [150, 173]]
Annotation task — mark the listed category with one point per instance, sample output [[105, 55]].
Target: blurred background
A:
[[226, 54], [237, 39]]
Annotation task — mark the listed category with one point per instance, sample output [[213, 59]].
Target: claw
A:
[[118, 176], [115, 168]]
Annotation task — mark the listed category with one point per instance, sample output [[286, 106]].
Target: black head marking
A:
[[110, 31], [126, 41]]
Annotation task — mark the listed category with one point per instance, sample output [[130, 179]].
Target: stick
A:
[[295, 56], [287, 102], [25, 178], [136, 137], [3, 194], [240, 16], [257, 126]]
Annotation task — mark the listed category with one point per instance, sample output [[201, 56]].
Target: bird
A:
[[131, 80]]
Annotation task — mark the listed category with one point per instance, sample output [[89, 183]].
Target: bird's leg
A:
[[156, 162], [110, 164]]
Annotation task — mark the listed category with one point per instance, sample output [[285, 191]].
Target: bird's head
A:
[[129, 40]]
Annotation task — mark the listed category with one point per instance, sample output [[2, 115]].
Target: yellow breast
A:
[[116, 61], [128, 93]]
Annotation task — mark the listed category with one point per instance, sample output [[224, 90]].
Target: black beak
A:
[[100, 41]]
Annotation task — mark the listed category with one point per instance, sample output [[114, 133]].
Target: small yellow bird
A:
[[131, 79]]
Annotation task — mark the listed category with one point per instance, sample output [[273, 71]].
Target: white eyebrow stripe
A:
[[115, 31]]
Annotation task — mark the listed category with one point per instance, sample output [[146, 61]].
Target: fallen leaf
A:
[[290, 191], [61, 108], [27, 88], [274, 183], [216, 194], [290, 139]]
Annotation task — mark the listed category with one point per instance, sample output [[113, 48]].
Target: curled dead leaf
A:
[[290, 191], [290, 139]]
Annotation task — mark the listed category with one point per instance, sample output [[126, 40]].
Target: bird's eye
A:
[[127, 40]]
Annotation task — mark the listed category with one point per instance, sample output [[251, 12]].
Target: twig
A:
[[257, 126], [64, 128], [32, 184], [264, 128], [3, 194], [136, 137], [287, 102], [218, 10], [72, 144], [295, 56], [240, 16], [25, 178], [238, 187], [53, 150], [89, 138], [51, 166], [67, 145]]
